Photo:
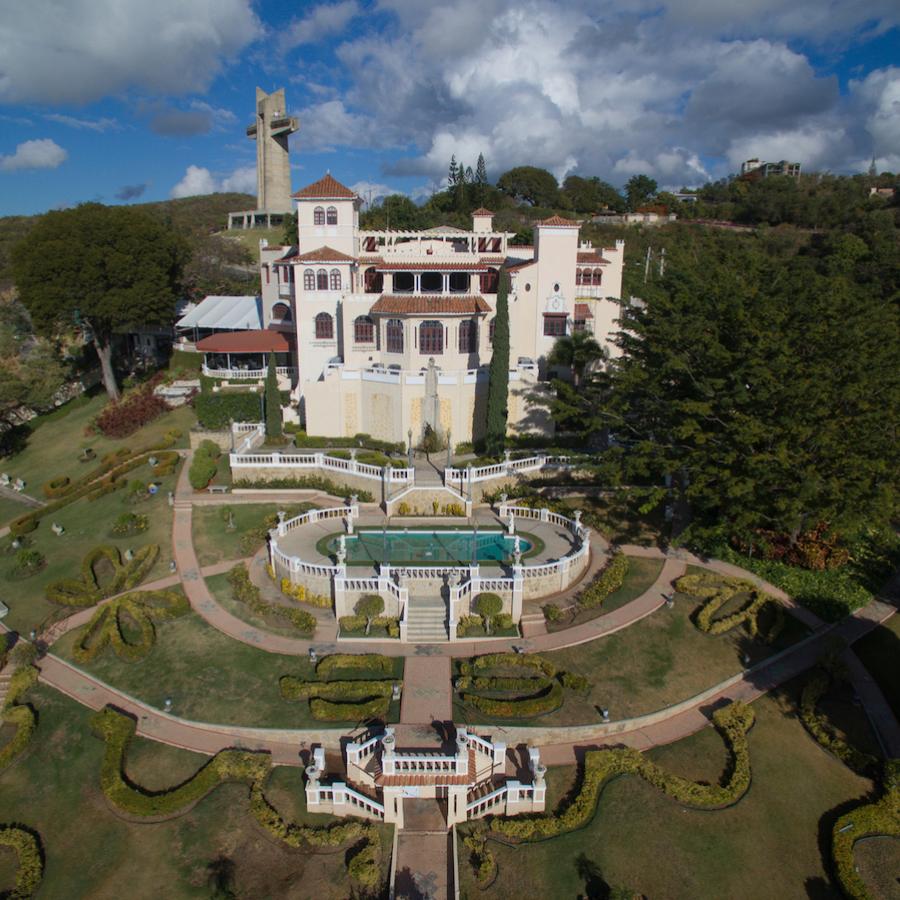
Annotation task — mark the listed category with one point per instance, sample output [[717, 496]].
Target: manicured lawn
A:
[[221, 590], [210, 677], [10, 509], [641, 575], [87, 525], [879, 651], [654, 663], [91, 852], [765, 845], [57, 439]]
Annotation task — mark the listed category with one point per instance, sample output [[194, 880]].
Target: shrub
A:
[[547, 700], [467, 624], [56, 487], [304, 440], [23, 525], [217, 411], [367, 662], [357, 625], [26, 844], [307, 482], [129, 524], [22, 716], [345, 690], [500, 660], [733, 722], [244, 591], [403, 508], [481, 859], [605, 583], [87, 591], [455, 509], [552, 613], [28, 563], [302, 594], [487, 606], [203, 467], [370, 606], [135, 410], [327, 711], [574, 682]]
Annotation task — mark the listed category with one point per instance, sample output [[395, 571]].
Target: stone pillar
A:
[[462, 753], [388, 744], [498, 763], [518, 592]]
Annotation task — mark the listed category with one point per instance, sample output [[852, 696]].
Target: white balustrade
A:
[[246, 374], [481, 806], [498, 470]]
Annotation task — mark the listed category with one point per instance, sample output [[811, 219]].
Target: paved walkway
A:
[[427, 693]]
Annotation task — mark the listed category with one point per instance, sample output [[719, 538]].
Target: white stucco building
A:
[[365, 312]]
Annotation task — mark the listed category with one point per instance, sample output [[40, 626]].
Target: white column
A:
[[518, 592]]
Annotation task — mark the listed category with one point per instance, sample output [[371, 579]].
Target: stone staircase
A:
[[427, 620], [5, 677]]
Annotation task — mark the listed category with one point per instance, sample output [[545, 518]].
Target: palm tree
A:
[[578, 351]]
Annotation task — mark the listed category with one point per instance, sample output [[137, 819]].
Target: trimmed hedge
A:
[[328, 711], [26, 844], [484, 866], [308, 483], [106, 626], [21, 715], [203, 465], [217, 411], [500, 683], [87, 591], [605, 583], [244, 591], [302, 594], [302, 439], [357, 624], [717, 590], [497, 660], [293, 688], [816, 686], [549, 698], [367, 662], [879, 818], [733, 722]]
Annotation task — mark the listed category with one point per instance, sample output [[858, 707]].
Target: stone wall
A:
[[421, 502], [221, 439], [354, 483]]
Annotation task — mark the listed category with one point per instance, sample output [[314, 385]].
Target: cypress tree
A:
[[498, 381], [273, 401]]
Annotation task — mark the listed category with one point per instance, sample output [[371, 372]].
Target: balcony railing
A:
[[247, 374]]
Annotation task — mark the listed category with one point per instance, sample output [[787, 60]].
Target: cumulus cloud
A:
[[131, 192], [200, 180], [82, 50], [99, 125], [170, 122], [39, 154], [878, 97], [322, 21], [372, 191], [593, 87]]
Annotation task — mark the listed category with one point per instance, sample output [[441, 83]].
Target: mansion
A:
[[385, 332]]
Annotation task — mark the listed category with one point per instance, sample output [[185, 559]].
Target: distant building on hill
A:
[[755, 168]]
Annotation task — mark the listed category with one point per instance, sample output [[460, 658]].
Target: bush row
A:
[[30, 860], [217, 411], [87, 591], [98, 481], [106, 626], [244, 591], [605, 582], [329, 711], [547, 700], [499, 660], [308, 483], [302, 594], [500, 683], [879, 818], [22, 716], [302, 439], [357, 624], [293, 688], [366, 662], [733, 722], [455, 510], [117, 730], [817, 725], [203, 465]]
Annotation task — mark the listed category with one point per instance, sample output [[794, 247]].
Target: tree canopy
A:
[[638, 190], [530, 184], [105, 268]]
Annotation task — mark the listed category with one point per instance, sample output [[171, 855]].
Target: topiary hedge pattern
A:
[[608, 581], [293, 688], [22, 716], [203, 465], [244, 591], [366, 662], [733, 722], [243, 766], [108, 627], [356, 624], [879, 818], [816, 686], [717, 590], [26, 844], [86, 591]]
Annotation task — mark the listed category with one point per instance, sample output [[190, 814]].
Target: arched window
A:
[[332, 215], [491, 326], [598, 276], [393, 336], [578, 277], [404, 282], [322, 279], [468, 336], [319, 215], [335, 280], [363, 330], [324, 327], [309, 280], [374, 281], [431, 338], [281, 312], [431, 282]]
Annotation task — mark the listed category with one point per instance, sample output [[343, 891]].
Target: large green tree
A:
[[767, 388], [639, 189], [104, 268], [498, 375], [589, 195], [577, 351], [530, 184]]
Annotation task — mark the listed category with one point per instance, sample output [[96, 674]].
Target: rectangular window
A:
[[554, 324]]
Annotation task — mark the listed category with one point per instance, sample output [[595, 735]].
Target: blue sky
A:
[[124, 101]]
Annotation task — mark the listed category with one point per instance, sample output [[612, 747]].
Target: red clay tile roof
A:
[[410, 779], [433, 304], [591, 256], [583, 311], [325, 188], [481, 211], [559, 222], [254, 341], [323, 254], [437, 265]]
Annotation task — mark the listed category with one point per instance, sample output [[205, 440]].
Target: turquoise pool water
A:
[[428, 547]]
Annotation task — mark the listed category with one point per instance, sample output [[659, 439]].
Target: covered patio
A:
[[244, 355]]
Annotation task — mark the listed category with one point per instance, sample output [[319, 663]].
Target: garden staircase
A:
[[427, 620], [6, 674]]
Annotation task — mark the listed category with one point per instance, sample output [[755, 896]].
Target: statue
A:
[[511, 524], [342, 550], [517, 552]]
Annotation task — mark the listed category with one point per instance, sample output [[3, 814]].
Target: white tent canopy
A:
[[224, 314]]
